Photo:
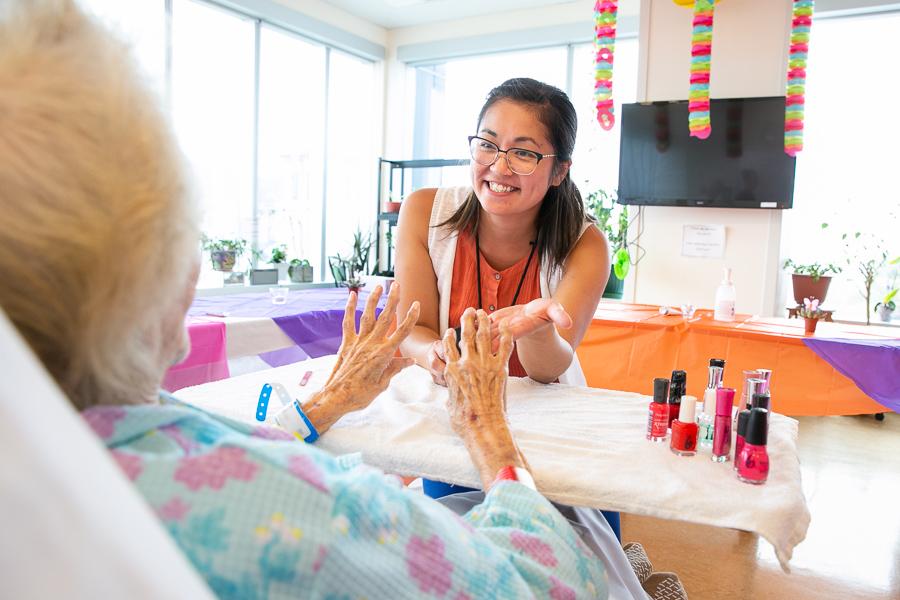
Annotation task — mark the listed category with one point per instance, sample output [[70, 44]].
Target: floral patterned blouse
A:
[[262, 515]]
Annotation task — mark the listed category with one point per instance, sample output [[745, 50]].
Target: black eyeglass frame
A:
[[500, 151]]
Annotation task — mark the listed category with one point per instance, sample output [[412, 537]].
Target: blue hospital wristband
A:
[[293, 419]]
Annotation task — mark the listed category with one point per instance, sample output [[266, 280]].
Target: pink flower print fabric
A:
[[427, 565], [215, 469]]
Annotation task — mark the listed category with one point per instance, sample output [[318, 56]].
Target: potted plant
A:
[[886, 307], [223, 253], [811, 314], [354, 283], [300, 271], [278, 259], [810, 280], [612, 220], [866, 253]]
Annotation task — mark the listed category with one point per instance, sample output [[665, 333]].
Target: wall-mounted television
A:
[[742, 164]]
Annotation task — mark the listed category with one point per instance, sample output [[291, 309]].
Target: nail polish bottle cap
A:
[[717, 362], [660, 390], [760, 401], [754, 386], [724, 401], [678, 387], [714, 376], [688, 407], [757, 427], [743, 418]]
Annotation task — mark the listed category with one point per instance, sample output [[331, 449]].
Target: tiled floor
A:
[[851, 478]]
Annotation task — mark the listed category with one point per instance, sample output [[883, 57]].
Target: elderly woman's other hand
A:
[[366, 361], [476, 379]]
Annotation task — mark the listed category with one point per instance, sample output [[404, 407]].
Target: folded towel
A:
[[586, 447]]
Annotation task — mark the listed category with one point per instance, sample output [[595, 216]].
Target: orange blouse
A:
[[497, 287]]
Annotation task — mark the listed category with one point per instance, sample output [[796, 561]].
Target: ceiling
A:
[[392, 14]]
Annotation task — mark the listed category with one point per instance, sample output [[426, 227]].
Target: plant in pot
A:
[[300, 271], [810, 280], [612, 220], [887, 306], [811, 313], [223, 253], [278, 259]]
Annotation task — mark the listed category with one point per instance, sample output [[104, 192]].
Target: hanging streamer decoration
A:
[[604, 44], [701, 50], [796, 77]]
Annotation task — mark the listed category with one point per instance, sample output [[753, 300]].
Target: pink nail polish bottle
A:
[[722, 425], [658, 416], [753, 462]]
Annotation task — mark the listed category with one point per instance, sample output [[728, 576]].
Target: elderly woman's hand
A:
[[477, 401], [366, 361]]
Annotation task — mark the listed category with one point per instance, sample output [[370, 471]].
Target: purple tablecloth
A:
[[874, 366], [311, 318]]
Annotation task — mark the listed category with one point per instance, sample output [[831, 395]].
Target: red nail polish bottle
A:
[[684, 429], [753, 462], [658, 417]]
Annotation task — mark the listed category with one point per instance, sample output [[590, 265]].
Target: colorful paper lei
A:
[[796, 77], [701, 49], [605, 44]]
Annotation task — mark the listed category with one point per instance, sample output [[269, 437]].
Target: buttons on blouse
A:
[[491, 307], [497, 276]]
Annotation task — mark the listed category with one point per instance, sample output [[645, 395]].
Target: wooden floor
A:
[[851, 478]]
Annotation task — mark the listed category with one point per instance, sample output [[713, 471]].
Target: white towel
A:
[[586, 447]]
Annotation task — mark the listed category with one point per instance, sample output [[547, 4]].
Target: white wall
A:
[[342, 19], [750, 45]]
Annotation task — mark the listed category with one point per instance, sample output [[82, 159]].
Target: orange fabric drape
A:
[[627, 345]]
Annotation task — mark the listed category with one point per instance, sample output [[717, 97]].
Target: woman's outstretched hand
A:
[[366, 361], [524, 319]]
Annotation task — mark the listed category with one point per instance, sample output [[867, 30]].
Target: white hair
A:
[[99, 231]]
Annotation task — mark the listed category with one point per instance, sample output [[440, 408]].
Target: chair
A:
[[73, 526]]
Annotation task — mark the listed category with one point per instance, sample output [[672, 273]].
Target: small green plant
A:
[[237, 245], [279, 255], [614, 223], [868, 256], [814, 270], [888, 301]]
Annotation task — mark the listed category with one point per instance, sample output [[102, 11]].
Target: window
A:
[[259, 153], [212, 108], [846, 173], [291, 144]]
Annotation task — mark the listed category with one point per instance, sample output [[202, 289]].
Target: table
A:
[[239, 333], [627, 345], [585, 446]]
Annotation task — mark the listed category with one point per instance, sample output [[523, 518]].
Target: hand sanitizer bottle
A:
[[725, 297]]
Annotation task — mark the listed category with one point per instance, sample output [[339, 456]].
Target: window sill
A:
[[244, 289]]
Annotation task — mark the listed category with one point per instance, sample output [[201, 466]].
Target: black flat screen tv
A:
[[742, 164]]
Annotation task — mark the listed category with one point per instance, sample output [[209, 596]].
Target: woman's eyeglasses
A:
[[520, 160]]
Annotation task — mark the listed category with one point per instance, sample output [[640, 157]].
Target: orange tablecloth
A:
[[627, 345]]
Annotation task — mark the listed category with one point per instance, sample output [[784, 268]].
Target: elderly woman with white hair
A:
[[98, 252]]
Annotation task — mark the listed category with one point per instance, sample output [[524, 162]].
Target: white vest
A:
[[442, 249]]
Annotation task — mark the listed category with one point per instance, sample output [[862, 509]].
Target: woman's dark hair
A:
[[562, 213]]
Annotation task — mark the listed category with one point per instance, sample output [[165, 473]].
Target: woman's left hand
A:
[[525, 319], [366, 361]]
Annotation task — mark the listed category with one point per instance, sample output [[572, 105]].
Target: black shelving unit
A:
[[389, 219]]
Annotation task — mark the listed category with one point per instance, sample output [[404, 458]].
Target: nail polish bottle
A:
[[753, 462], [739, 438], [713, 381], [761, 401], [752, 386], [722, 425], [706, 418], [658, 417], [765, 375], [684, 430], [676, 391]]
